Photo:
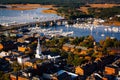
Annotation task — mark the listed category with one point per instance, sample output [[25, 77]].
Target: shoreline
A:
[[112, 23], [51, 10], [25, 6]]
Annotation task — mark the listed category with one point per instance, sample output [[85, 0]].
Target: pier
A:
[[31, 24]]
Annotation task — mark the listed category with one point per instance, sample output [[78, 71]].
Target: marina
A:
[[98, 32], [54, 25]]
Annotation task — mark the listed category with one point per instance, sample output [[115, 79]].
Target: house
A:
[[72, 48], [10, 55], [61, 75], [21, 40], [111, 70], [105, 61], [12, 34], [3, 54], [86, 69], [21, 48], [33, 62], [25, 36], [104, 78], [31, 39], [26, 74], [83, 49], [68, 47], [22, 59], [115, 50], [79, 70], [36, 35], [53, 57], [16, 53], [8, 45], [69, 68]]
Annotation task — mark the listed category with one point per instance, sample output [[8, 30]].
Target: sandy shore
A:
[[26, 6], [51, 10], [113, 23]]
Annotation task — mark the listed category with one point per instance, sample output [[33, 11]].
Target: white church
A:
[[41, 56]]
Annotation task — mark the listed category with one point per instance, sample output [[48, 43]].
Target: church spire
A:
[[38, 50]]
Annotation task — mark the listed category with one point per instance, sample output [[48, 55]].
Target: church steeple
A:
[[38, 50]]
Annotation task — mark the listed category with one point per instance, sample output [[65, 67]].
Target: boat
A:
[[109, 29], [115, 29], [102, 35], [106, 29]]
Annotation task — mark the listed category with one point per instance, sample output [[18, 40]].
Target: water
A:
[[9, 16], [17, 16], [97, 32]]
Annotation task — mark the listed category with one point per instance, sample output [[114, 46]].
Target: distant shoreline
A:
[[51, 9], [24, 6]]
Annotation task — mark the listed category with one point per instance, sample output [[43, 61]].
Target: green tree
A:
[[16, 67], [4, 76], [70, 58], [76, 60], [64, 54]]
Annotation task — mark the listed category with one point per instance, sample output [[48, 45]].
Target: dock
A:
[[31, 24]]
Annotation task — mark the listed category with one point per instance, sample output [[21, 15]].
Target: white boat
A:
[[106, 29], [109, 29], [115, 29], [112, 37], [102, 35]]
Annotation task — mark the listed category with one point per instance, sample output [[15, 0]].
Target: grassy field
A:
[[85, 8], [27, 6]]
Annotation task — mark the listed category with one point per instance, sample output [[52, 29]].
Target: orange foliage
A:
[[1, 46]]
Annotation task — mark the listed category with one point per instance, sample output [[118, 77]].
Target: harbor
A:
[[54, 25]]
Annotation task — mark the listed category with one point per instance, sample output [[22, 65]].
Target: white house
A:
[[3, 54], [22, 59]]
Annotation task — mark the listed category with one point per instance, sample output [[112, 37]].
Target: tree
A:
[[76, 60], [54, 50], [1, 74], [4, 76], [64, 54], [16, 67], [90, 51], [70, 58]]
